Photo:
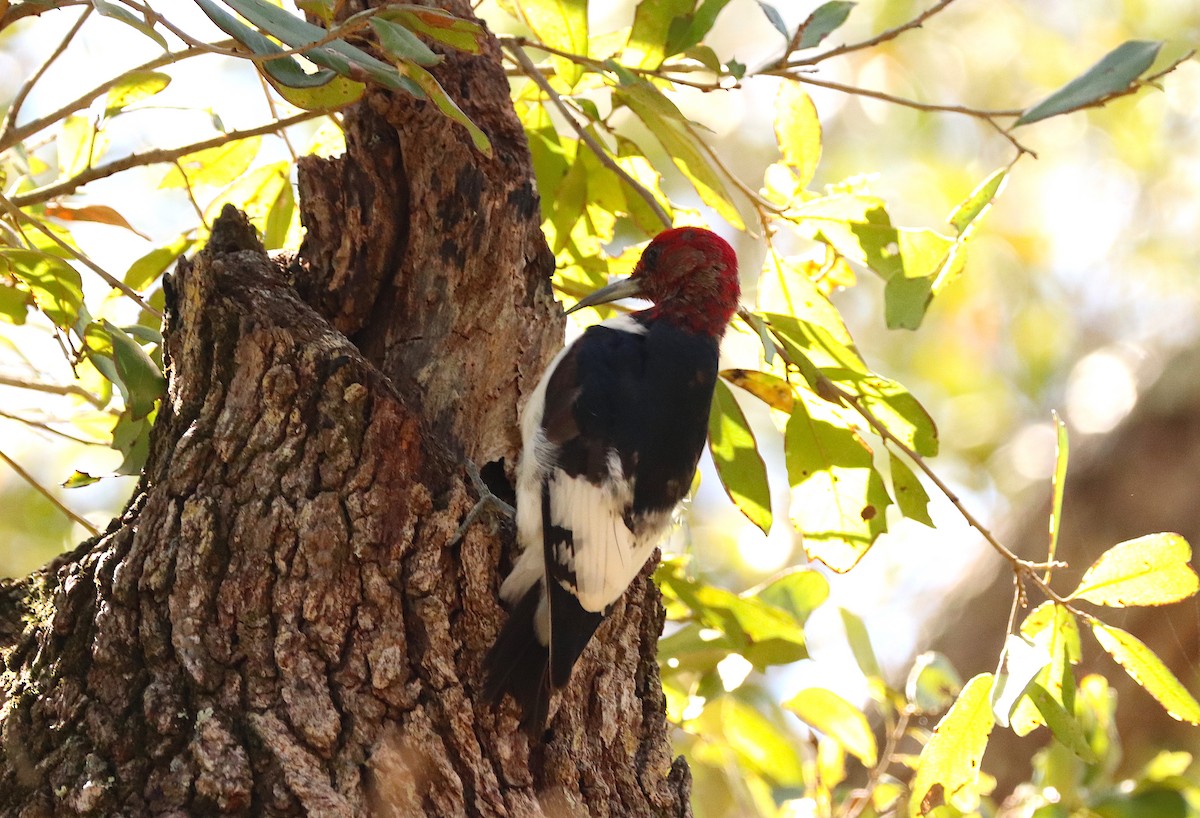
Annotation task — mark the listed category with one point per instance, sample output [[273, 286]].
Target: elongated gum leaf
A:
[[56, 286], [860, 644], [1151, 570], [1145, 668], [770, 389], [798, 131], [1061, 723], [828, 712], [975, 205], [132, 87], [1062, 453], [563, 25], [735, 454], [823, 21], [948, 770], [1115, 72], [911, 496]]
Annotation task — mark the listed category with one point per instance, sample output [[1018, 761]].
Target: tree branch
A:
[[157, 156], [890, 34]]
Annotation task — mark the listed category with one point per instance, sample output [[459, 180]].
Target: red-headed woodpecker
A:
[[611, 435]]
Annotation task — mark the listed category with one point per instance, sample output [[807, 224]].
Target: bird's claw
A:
[[486, 499]]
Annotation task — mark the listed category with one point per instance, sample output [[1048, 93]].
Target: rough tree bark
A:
[[1138, 479], [278, 624]]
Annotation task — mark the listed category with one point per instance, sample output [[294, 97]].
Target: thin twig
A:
[[42, 490], [19, 99], [46, 427], [17, 134], [890, 34], [157, 156], [988, 116], [531, 71], [53, 389], [863, 796], [187, 186], [108, 277], [287, 142]]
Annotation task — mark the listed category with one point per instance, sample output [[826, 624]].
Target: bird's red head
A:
[[691, 275]]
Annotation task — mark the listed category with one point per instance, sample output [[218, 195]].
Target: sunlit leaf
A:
[[738, 463], [437, 94], [828, 712], [823, 21], [666, 124], [14, 302], [440, 25], [1114, 73], [760, 743], [1054, 630], [563, 25], [1061, 723], [78, 144], [79, 479], [132, 87], [1020, 662], [652, 21], [1150, 570], [55, 285], [124, 362], [948, 770], [280, 218], [798, 131], [981, 198], [254, 192], [799, 591], [1145, 668], [860, 643], [932, 683], [101, 214], [216, 166], [910, 494], [1061, 456], [838, 498], [146, 270], [770, 389]]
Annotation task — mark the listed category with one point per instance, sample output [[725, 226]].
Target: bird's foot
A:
[[487, 499]]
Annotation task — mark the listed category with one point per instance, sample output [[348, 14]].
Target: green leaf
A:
[[79, 479], [123, 361], [134, 87], [280, 217], [666, 123], [437, 94], [1114, 73], [735, 455], [823, 21], [860, 644], [1151, 570], [216, 166], [440, 25], [1053, 629], [647, 46], [1061, 454], [799, 591], [132, 438], [910, 494], [689, 30], [838, 498], [321, 89], [798, 131], [55, 285], [77, 144], [829, 713], [981, 198], [402, 44], [759, 743], [948, 769], [147, 269], [1145, 668], [117, 12], [254, 192], [1061, 723], [772, 15], [563, 25], [932, 683], [14, 302]]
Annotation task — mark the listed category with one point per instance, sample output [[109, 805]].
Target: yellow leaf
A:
[[1145, 668], [832, 715], [798, 131], [948, 771], [1151, 570]]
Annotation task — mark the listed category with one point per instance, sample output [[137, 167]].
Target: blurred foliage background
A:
[[1079, 287]]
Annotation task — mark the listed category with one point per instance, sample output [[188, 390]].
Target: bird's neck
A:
[[709, 320]]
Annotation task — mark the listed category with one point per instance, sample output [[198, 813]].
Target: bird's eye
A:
[[650, 255]]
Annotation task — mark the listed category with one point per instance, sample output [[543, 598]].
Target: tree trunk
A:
[[280, 623]]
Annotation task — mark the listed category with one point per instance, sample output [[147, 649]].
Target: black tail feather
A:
[[518, 664], [571, 628]]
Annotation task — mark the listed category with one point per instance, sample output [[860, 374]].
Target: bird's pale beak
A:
[[625, 288]]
